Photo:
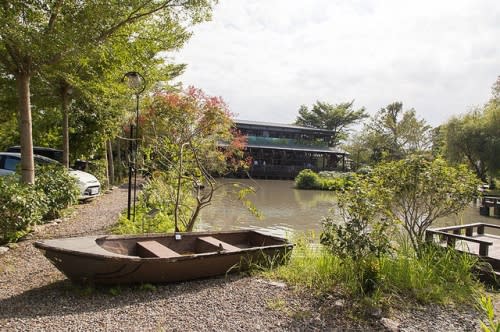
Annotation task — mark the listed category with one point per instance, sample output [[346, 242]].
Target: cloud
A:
[[266, 58]]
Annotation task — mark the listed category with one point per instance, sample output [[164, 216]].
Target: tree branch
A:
[[53, 16]]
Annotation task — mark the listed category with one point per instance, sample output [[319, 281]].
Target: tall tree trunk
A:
[[106, 185], [111, 166], [119, 159], [27, 162], [65, 96]]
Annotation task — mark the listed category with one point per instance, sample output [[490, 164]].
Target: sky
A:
[[266, 58]]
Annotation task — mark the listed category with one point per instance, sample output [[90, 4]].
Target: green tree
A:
[[394, 134], [336, 118], [474, 138], [9, 134], [95, 78], [34, 35], [413, 192], [466, 141]]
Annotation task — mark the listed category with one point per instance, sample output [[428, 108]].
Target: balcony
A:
[[288, 142]]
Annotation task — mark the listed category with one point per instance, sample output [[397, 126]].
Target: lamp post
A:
[[136, 83]]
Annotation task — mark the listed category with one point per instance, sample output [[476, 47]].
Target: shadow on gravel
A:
[[63, 297]]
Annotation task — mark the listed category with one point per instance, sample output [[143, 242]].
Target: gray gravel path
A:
[[35, 296]]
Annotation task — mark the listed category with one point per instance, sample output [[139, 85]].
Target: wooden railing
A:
[[456, 234], [490, 201]]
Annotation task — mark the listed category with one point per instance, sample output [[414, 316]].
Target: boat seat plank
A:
[[218, 243], [155, 249]]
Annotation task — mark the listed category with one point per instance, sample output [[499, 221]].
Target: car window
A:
[[11, 163], [44, 161]]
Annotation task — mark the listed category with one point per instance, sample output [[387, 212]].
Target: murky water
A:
[[286, 210]]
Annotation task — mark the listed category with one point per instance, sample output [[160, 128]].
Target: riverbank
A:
[[34, 295]]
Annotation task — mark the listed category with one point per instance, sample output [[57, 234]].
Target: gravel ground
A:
[[35, 296]]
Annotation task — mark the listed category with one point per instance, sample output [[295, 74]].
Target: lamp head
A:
[[135, 81]]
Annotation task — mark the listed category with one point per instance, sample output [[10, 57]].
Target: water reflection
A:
[[286, 210]]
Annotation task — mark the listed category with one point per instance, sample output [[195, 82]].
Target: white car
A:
[[89, 185]]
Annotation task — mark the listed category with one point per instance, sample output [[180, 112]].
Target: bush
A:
[[60, 189], [144, 222], [98, 168], [364, 170], [21, 206], [359, 247], [151, 199], [333, 181], [307, 179]]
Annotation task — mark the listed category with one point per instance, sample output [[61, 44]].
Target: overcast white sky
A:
[[268, 57]]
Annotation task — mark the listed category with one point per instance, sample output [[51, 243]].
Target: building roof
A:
[[281, 126]]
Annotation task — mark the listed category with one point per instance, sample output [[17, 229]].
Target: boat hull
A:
[[115, 259]]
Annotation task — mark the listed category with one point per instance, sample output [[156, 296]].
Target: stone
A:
[[339, 303], [12, 245], [375, 312], [273, 283], [389, 324], [3, 250]]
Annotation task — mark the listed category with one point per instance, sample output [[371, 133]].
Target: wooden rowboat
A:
[[157, 258]]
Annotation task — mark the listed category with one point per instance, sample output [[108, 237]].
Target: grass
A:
[[309, 266], [279, 305], [491, 324], [436, 276]]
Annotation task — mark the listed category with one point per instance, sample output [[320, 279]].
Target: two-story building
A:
[[281, 151]]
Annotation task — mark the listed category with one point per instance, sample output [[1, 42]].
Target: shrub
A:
[[359, 248], [333, 181], [153, 212], [415, 192], [21, 206], [60, 189], [144, 222], [364, 170], [307, 179], [99, 169]]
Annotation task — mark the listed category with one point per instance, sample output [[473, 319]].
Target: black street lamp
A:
[[136, 83]]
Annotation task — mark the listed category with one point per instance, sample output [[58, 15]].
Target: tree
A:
[[34, 35], [474, 138], [9, 134], [183, 133], [337, 118], [466, 141], [394, 134], [96, 75], [413, 192]]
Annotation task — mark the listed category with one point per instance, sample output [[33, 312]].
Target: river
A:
[[287, 210]]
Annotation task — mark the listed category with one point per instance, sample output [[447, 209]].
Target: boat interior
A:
[[161, 246]]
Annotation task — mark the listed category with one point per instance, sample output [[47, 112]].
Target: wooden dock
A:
[[471, 238], [488, 202]]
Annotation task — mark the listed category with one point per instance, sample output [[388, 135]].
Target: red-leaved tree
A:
[[189, 138]]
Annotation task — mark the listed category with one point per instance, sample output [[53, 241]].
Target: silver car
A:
[[89, 185]]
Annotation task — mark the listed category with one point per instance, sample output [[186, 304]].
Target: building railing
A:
[[270, 141]]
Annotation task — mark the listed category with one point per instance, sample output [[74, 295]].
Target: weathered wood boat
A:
[[158, 258]]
